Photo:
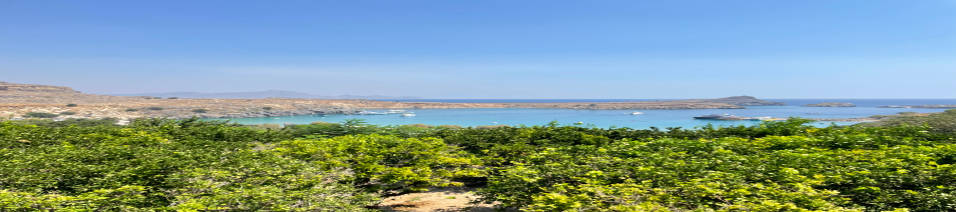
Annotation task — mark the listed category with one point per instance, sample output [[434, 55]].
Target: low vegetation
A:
[[944, 122], [190, 165], [40, 115]]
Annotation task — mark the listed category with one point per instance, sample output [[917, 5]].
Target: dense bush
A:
[[386, 163], [358, 127], [944, 122], [69, 122], [200, 110], [770, 173], [154, 108], [190, 165], [161, 165], [71, 105], [40, 115]]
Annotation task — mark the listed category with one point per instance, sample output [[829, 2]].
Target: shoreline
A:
[[21, 101], [252, 108], [328, 107], [25, 101]]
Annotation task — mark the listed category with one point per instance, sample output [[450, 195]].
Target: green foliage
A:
[[67, 113], [131, 110], [252, 180], [157, 164], [154, 108], [386, 163], [359, 127], [944, 122], [200, 110], [70, 122], [322, 129], [71, 105], [40, 115], [194, 165], [125, 198], [824, 169]]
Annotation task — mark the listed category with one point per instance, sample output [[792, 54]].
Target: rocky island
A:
[[831, 104], [42, 101], [744, 101]]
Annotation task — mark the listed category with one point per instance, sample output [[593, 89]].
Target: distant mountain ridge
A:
[[260, 95]]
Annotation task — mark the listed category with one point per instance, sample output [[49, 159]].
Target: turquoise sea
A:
[[612, 118]]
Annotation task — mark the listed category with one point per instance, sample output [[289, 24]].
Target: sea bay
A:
[[611, 118]]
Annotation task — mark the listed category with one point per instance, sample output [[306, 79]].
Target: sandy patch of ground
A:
[[452, 199]]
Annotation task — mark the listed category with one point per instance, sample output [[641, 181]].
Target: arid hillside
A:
[[42, 101]]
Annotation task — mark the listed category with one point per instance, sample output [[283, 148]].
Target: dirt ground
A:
[[453, 199]]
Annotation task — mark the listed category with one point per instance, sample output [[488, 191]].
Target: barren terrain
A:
[[19, 100]]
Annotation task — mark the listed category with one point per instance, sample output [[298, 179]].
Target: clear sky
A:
[[488, 48]]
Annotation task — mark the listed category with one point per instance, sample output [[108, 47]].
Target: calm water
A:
[[611, 118]]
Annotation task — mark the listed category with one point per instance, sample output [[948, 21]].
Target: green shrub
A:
[[161, 165], [71, 105], [173, 98], [67, 113], [195, 165], [200, 110], [154, 108], [70, 122], [266, 108], [40, 115], [944, 122], [773, 173], [131, 110], [386, 163], [325, 130]]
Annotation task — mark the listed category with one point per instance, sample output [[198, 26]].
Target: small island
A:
[[831, 104]]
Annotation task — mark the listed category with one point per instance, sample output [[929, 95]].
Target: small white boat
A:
[[408, 115], [369, 113], [637, 113], [394, 111]]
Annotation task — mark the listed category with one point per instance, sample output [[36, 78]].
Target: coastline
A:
[[250, 108], [19, 101]]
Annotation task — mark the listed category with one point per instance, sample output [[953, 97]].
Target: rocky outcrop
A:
[[14, 87], [831, 104], [744, 101]]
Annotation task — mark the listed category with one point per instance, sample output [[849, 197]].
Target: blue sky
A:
[[488, 49]]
